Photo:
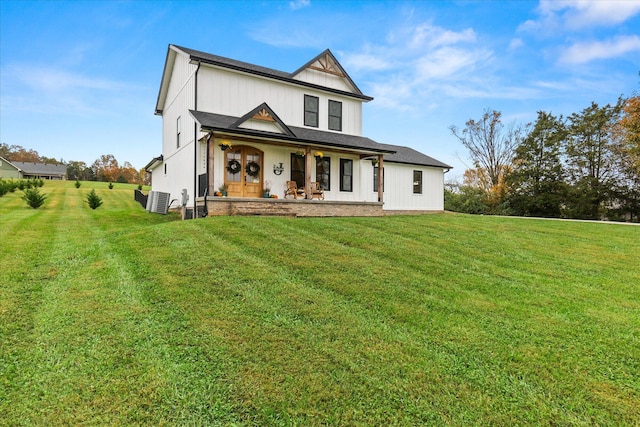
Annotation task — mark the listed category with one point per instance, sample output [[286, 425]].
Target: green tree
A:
[[93, 200], [33, 197], [536, 182], [591, 161]]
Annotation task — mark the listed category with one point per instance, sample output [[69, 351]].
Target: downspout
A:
[[195, 146]]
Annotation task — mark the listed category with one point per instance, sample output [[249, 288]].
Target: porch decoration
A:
[[224, 144], [278, 169], [233, 166], [374, 162], [299, 153], [318, 154], [267, 189], [252, 169]]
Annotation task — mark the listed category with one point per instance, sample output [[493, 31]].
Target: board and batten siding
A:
[[234, 94], [398, 187], [178, 161], [323, 79]]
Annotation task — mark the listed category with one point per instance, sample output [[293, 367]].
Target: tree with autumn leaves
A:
[[585, 166], [106, 168]]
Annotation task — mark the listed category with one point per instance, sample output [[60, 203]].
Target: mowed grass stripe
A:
[[440, 319]]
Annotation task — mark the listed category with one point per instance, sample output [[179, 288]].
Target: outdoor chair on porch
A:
[[316, 191], [293, 190]]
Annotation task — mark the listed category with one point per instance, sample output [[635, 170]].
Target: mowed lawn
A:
[[121, 317]]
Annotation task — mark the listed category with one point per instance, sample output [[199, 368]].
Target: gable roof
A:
[[263, 112], [328, 63], [245, 67], [31, 168]]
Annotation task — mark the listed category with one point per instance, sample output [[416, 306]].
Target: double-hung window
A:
[[335, 115], [417, 182], [323, 172], [346, 175], [311, 104]]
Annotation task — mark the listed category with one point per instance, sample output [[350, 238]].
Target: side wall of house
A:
[[235, 94], [398, 187], [178, 133]]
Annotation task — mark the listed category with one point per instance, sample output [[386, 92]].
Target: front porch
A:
[[218, 206]]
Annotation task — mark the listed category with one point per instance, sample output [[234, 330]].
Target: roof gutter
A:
[[195, 145]]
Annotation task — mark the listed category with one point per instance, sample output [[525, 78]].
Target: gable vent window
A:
[[335, 115], [311, 104], [178, 132]]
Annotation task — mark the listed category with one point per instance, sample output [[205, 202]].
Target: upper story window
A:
[[335, 115], [417, 182], [346, 175], [311, 104], [178, 129]]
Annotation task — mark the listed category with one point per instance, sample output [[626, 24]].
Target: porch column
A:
[[210, 157], [380, 178], [308, 158]]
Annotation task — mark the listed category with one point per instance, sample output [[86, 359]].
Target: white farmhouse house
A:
[[233, 128]]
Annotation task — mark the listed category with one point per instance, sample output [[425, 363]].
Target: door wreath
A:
[[252, 169], [233, 166]]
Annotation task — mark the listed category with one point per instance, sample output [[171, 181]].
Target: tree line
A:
[[584, 166], [105, 168]]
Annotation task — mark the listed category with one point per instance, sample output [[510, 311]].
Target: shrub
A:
[[111, 186], [94, 200], [77, 184], [33, 197], [4, 187]]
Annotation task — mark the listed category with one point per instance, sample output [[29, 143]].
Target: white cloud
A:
[[57, 80], [422, 59], [516, 43], [576, 14], [580, 53], [299, 4]]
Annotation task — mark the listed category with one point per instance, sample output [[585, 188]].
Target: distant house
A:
[[31, 170], [247, 129]]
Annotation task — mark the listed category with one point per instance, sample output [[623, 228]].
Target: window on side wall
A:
[[335, 115], [311, 104], [346, 175], [178, 130], [417, 182], [323, 172]]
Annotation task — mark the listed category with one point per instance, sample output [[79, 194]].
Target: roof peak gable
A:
[[326, 62], [263, 113]]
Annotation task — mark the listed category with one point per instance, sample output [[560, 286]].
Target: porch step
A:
[[266, 209]]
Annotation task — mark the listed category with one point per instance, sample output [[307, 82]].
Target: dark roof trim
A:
[[342, 70], [245, 67], [155, 162], [256, 110]]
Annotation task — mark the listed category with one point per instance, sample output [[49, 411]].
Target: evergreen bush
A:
[[94, 200], [111, 186], [33, 197], [77, 184]]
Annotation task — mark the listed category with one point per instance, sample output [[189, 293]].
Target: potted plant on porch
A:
[[223, 189]]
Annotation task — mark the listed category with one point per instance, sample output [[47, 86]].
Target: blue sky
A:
[[80, 79]]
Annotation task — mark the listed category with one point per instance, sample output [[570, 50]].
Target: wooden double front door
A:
[[243, 171]]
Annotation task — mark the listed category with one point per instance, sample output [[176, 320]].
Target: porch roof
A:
[[410, 156], [223, 123]]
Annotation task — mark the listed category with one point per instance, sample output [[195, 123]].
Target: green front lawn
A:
[[121, 317]]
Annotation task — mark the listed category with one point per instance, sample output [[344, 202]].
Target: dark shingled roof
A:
[[31, 168], [392, 153], [219, 122], [412, 157], [246, 67]]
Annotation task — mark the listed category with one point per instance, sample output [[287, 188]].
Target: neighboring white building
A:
[[304, 126]]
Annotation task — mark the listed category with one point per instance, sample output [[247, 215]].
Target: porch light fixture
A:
[[278, 169]]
